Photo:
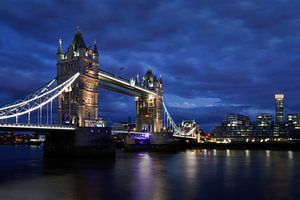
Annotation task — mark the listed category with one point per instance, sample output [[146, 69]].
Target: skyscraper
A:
[[279, 108]]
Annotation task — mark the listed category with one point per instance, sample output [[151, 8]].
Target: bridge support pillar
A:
[[148, 114], [80, 102], [88, 142], [149, 107]]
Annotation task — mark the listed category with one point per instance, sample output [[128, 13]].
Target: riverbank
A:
[[248, 145], [236, 145]]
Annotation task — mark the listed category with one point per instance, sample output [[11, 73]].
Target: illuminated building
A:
[[279, 128], [79, 106], [279, 108], [149, 107], [264, 125], [264, 119], [236, 120], [237, 125], [293, 125], [293, 119]]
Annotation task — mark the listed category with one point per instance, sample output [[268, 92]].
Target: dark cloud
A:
[[236, 52]]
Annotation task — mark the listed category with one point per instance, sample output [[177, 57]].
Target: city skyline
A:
[[282, 112], [212, 61], [149, 99]]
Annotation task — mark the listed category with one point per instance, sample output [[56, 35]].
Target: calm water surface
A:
[[191, 174]]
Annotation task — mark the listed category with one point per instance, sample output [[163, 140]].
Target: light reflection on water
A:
[[190, 174]]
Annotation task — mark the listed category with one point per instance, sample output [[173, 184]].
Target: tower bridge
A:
[[76, 88]]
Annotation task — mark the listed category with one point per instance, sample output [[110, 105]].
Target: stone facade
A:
[[149, 107], [81, 102]]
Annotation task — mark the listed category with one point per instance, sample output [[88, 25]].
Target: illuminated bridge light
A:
[[36, 127], [38, 102]]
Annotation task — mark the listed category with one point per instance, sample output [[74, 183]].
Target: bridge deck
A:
[[34, 127], [122, 83]]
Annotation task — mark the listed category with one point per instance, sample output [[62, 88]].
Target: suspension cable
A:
[[43, 99]]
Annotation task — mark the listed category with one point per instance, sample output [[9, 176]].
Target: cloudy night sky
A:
[[215, 57]]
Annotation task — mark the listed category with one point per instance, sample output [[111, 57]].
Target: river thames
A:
[[190, 174]]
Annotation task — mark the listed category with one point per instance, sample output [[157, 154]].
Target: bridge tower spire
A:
[[149, 107], [79, 106], [95, 51], [60, 52]]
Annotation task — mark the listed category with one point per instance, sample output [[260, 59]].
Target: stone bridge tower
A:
[[149, 107], [79, 106]]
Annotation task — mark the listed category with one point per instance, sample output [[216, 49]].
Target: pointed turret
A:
[[149, 79], [95, 48], [137, 80], [60, 49], [95, 52], [78, 41], [60, 53], [160, 79]]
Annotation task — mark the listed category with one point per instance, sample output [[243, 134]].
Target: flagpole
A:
[[122, 69]]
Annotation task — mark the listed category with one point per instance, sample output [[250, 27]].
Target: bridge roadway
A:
[[118, 84], [56, 129], [35, 128]]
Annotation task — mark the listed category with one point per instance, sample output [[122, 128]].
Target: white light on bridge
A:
[[44, 127]]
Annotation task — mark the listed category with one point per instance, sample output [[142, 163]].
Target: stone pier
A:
[[88, 142]]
